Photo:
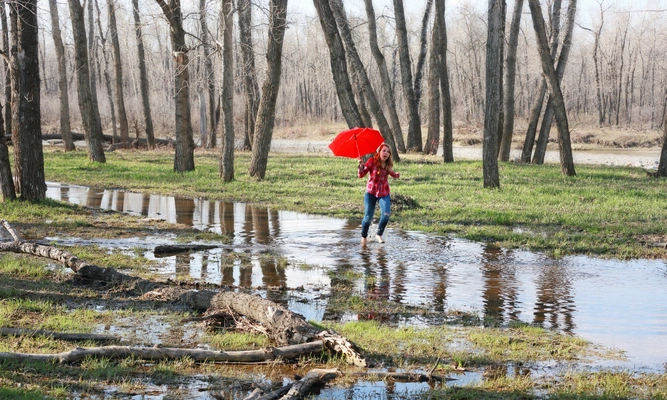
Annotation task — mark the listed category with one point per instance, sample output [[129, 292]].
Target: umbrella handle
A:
[[357, 144]]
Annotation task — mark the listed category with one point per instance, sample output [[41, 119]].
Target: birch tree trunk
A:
[[341, 77], [494, 86], [185, 146], [414, 124], [65, 127], [143, 76], [510, 79], [387, 92], [227, 103], [27, 135], [118, 72], [266, 114], [567, 163], [90, 114]]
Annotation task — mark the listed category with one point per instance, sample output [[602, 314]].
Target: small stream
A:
[[617, 304]]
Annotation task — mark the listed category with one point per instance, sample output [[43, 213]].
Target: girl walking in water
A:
[[379, 167]]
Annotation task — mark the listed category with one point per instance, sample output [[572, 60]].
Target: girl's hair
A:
[[390, 160]]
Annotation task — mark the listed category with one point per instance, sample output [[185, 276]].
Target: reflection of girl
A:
[[377, 190]]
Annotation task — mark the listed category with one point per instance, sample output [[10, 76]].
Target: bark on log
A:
[[167, 353], [168, 250], [57, 335], [282, 325], [107, 138], [316, 377]]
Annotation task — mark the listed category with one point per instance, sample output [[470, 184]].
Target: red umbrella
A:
[[356, 142]]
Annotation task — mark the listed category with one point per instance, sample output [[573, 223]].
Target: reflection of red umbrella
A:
[[356, 142]]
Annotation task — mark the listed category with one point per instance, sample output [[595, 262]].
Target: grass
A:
[[611, 212], [603, 211]]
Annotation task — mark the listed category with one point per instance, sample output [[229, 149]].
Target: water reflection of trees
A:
[[500, 294], [555, 303]]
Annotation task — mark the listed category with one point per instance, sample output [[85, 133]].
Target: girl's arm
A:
[[393, 173], [363, 169]]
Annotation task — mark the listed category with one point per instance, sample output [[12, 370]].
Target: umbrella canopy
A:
[[356, 142]]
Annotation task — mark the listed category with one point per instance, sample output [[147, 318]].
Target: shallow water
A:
[[618, 304]]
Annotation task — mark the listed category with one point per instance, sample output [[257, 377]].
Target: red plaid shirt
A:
[[377, 185]]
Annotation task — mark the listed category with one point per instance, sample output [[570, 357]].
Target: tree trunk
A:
[[510, 79], [118, 71], [143, 76], [388, 94], [30, 178], [364, 86], [266, 114], [90, 114], [419, 72], [227, 100], [104, 71], [185, 146], [65, 127], [6, 179], [433, 126], [567, 163], [8, 82], [341, 77], [210, 141], [547, 119], [662, 166], [494, 86], [250, 86], [447, 123], [414, 124]]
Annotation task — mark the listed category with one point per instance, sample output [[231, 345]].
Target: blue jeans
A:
[[369, 209]]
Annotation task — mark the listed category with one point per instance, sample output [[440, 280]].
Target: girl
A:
[[377, 190]]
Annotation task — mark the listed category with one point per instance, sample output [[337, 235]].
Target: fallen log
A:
[[314, 378], [168, 250], [166, 353], [58, 335], [281, 325]]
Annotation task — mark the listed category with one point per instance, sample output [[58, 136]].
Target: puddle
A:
[[618, 304]]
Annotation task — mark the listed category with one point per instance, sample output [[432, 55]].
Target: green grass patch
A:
[[604, 211]]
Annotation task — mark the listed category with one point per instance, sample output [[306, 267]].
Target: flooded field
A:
[[616, 304]]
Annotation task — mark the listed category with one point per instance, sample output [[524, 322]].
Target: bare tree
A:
[[227, 103], [6, 178], [209, 78], [8, 82], [387, 92], [90, 114], [447, 123], [567, 163], [64, 120], [341, 77], [250, 85], [414, 124], [547, 119], [118, 72], [433, 126], [27, 134], [267, 104], [662, 166], [143, 76], [364, 84], [185, 146], [419, 72], [510, 81], [104, 71], [494, 86]]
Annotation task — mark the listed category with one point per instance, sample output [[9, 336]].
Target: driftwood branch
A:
[[165, 353], [281, 325], [58, 335]]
